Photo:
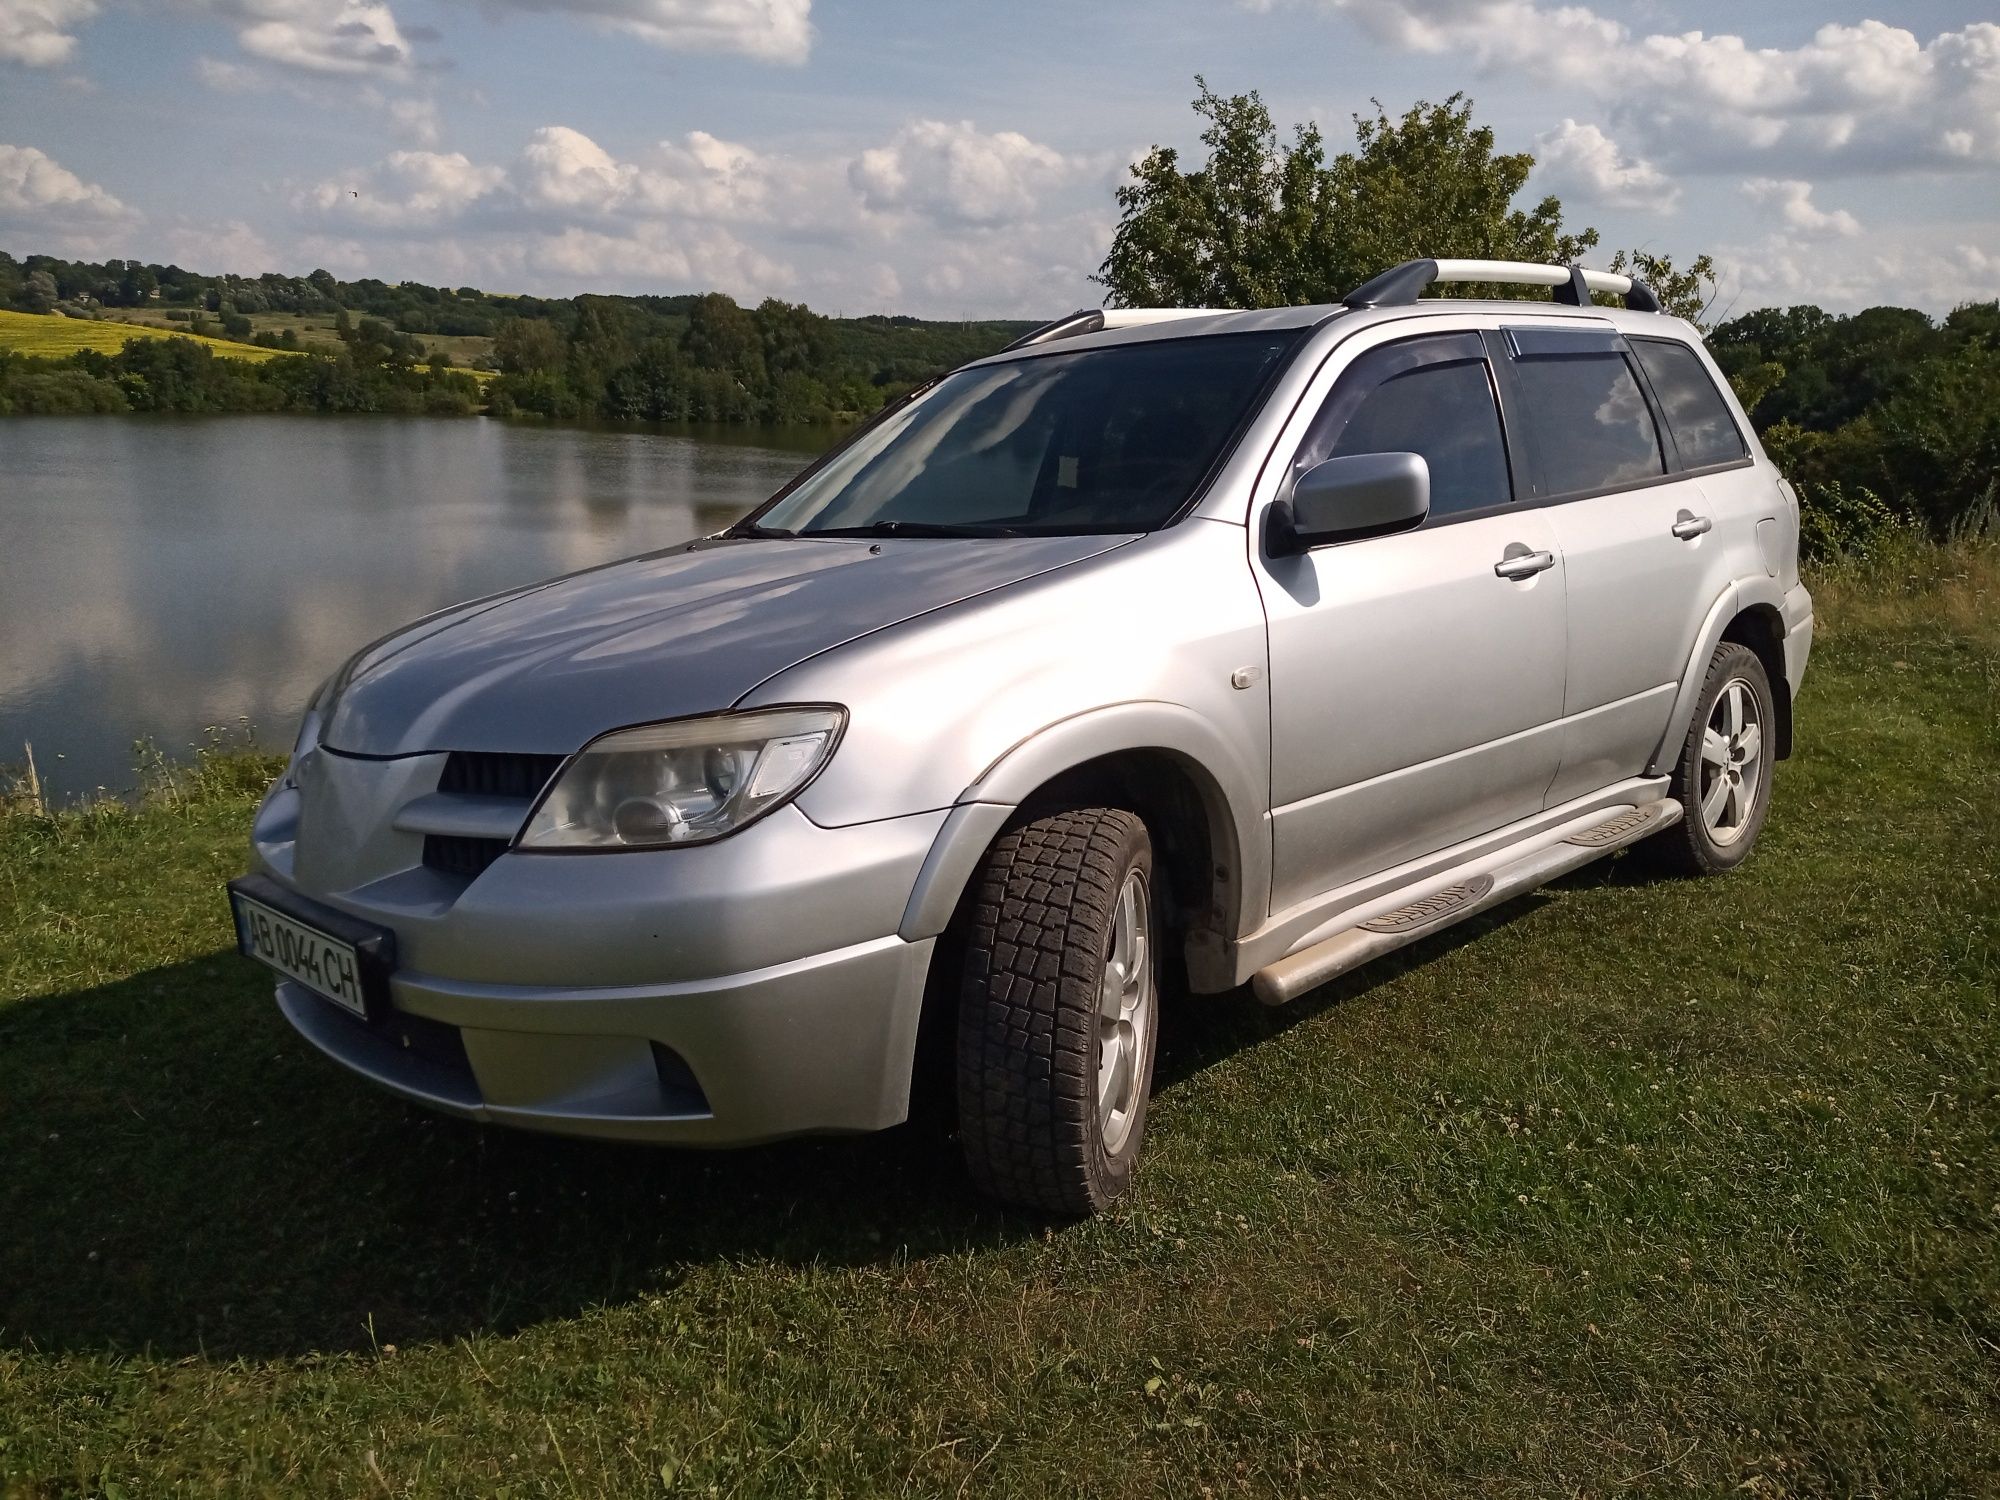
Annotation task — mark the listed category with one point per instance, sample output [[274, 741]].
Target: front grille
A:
[[456, 854], [497, 776], [491, 773]]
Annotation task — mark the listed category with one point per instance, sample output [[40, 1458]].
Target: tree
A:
[[721, 336], [1685, 294], [528, 346], [1264, 222], [796, 339], [38, 292]]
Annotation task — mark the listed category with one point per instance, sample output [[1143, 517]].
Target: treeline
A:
[[369, 372], [779, 362], [1882, 419], [42, 283], [682, 354]]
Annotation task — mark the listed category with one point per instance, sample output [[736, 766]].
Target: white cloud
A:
[[707, 258], [55, 212], [335, 37], [414, 120], [1870, 95], [410, 189], [1895, 267], [563, 168], [777, 31], [700, 176], [956, 174], [232, 246], [1793, 201], [41, 33], [33, 186], [917, 215], [560, 174], [230, 77], [1584, 162]]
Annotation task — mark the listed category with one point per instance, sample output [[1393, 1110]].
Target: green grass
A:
[[316, 331], [1632, 1187], [46, 336]]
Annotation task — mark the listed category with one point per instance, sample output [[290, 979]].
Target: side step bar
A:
[[1453, 899]]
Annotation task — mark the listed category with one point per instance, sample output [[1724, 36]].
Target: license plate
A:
[[345, 969]]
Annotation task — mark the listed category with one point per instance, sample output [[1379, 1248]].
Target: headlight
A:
[[689, 781]]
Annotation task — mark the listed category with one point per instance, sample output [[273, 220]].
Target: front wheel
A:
[[1722, 778], [1058, 1011]]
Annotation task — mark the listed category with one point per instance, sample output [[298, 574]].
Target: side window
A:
[[1586, 420], [1704, 432], [1430, 396]]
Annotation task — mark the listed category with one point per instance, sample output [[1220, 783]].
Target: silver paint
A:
[[1352, 725]]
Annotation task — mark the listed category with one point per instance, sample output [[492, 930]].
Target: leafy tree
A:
[[38, 292], [1684, 293], [723, 337], [1265, 222], [525, 346], [795, 338]]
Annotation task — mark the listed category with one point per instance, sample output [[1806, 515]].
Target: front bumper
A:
[[814, 1045], [721, 994]]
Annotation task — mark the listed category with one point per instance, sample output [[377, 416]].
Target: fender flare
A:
[[1230, 793], [1741, 594]]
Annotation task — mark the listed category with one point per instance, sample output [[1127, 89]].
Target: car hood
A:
[[545, 669]]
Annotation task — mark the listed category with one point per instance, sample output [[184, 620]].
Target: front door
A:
[[1416, 680]]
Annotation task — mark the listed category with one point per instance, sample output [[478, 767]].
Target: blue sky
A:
[[953, 160]]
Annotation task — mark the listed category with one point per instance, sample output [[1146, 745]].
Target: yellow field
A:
[[46, 336]]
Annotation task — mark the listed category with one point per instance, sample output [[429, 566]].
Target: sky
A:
[[960, 160]]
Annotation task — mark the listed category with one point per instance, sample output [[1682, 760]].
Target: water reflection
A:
[[158, 576]]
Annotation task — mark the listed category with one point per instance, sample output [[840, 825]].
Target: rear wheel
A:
[[1058, 1011], [1723, 776]]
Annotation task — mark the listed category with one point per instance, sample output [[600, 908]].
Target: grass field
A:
[[43, 336], [316, 331], [1631, 1187]]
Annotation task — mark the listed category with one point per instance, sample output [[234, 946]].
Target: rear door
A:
[[1415, 691], [1635, 529]]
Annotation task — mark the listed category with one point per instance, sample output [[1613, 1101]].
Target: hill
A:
[[40, 336]]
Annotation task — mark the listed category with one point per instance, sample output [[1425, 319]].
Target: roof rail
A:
[[1572, 284], [1096, 319]]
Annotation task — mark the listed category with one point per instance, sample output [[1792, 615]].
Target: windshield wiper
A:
[[913, 528], [751, 528]]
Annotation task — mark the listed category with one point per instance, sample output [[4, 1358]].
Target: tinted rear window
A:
[[1587, 422], [1703, 431]]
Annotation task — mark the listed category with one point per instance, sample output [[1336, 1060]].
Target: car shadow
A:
[[185, 1174], [188, 1176]]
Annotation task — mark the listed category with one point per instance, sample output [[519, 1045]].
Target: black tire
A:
[[1692, 846], [1039, 941]]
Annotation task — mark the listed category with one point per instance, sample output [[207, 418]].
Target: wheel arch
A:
[[1761, 628], [1160, 761], [1750, 613]]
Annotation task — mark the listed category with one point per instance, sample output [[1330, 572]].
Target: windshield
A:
[[1102, 440]]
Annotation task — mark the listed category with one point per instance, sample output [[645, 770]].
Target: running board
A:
[[1452, 898]]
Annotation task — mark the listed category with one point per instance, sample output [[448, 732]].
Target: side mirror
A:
[[1349, 498]]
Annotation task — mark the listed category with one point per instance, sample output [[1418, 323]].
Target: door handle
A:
[[1688, 527], [1525, 564]]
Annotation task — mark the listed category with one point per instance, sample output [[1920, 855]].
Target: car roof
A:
[[1152, 325]]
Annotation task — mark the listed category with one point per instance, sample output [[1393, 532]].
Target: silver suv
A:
[[1164, 651]]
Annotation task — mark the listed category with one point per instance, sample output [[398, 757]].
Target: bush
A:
[[1851, 520], [59, 392]]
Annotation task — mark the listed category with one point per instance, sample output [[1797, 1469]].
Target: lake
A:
[[160, 575]]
